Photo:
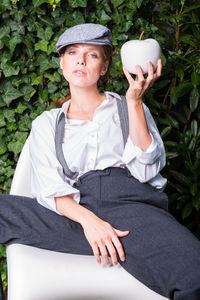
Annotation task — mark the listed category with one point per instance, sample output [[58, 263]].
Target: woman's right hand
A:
[[103, 238]]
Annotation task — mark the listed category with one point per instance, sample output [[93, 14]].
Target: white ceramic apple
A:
[[139, 52]]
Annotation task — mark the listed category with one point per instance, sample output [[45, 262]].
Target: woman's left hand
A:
[[139, 85]]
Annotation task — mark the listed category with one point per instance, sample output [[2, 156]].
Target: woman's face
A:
[[83, 64]]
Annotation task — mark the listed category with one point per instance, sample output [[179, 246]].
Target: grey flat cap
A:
[[88, 33]]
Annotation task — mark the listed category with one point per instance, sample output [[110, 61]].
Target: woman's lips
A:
[[79, 72]]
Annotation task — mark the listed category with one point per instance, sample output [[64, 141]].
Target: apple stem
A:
[[141, 35]]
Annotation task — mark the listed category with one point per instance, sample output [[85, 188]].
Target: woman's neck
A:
[[85, 99]]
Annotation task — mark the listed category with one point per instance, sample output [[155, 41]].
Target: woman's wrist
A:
[[85, 216], [134, 101]]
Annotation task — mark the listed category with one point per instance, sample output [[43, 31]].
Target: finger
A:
[[112, 252], [121, 233], [159, 68], [96, 253], [128, 76], [104, 254], [119, 248], [140, 73], [150, 71]]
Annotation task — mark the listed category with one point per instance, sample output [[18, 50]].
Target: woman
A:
[[99, 195]]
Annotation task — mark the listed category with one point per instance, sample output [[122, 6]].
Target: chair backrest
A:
[[21, 183]]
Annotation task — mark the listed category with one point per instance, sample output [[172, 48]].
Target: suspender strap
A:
[[123, 116], [60, 128], [59, 135]]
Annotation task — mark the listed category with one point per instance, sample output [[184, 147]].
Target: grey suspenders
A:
[[60, 128]]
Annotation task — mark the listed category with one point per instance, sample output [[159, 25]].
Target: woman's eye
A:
[[71, 52], [93, 55]]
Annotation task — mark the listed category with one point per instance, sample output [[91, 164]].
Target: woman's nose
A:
[[81, 59]]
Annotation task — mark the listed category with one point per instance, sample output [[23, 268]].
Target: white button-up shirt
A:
[[89, 145]]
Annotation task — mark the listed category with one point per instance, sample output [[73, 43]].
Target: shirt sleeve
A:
[[145, 166], [47, 178]]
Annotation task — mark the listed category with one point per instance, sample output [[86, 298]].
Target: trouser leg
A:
[[24, 221], [163, 254], [160, 252]]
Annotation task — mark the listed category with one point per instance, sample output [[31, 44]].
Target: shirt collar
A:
[[109, 98]]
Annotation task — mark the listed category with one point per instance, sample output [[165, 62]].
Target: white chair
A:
[[37, 274]]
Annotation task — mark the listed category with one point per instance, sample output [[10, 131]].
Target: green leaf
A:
[[55, 63], [195, 79], [11, 126], [17, 145], [117, 3], [25, 123], [78, 3], [180, 72], [191, 7], [28, 92], [2, 120], [28, 40], [10, 94], [180, 177], [9, 69], [3, 147], [194, 127], [16, 39], [9, 114], [182, 89], [166, 131], [48, 33], [188, 39], [53, 77], [2, 251], [139, 3], [2, 103], [187, 210], [52, 87], [36, 80], [20, 108], [194, 189], [104, 17], [37, 3], [169, 120], [194, 99], [5, 30], [44, 94], [42, 45], [45, 34], [170, 155]]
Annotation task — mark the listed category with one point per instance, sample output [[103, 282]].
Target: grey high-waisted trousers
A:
[[160, 252]]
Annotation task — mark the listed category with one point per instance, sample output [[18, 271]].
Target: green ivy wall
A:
[[31, 81]]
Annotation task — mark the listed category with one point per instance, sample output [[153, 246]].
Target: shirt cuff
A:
[[158, 182], [148, 157], [47, 197]]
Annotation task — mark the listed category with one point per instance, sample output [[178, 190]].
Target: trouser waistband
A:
[[114, 171]]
